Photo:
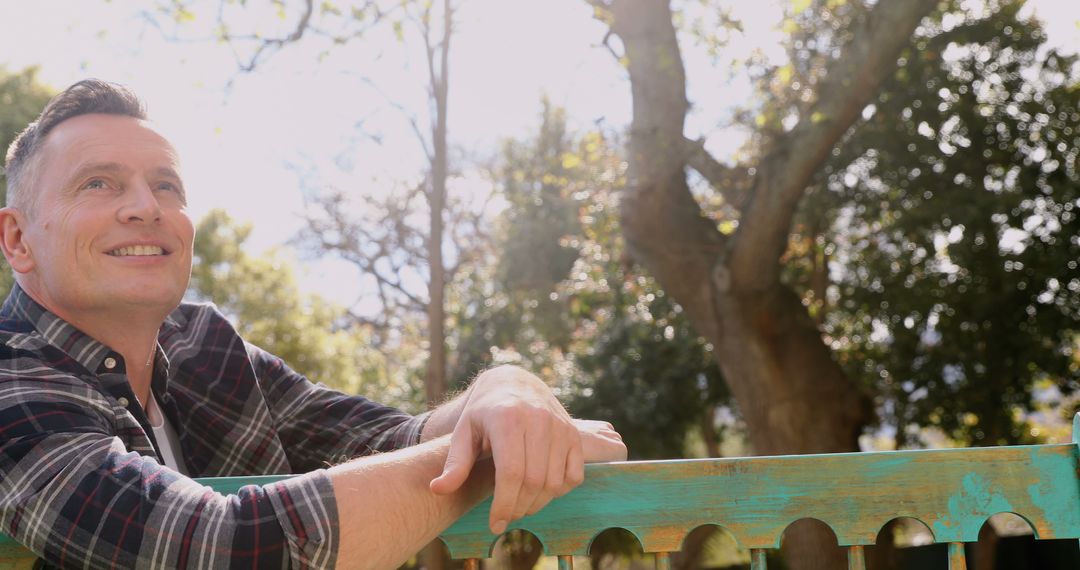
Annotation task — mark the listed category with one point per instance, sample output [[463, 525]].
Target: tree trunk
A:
[[708, 432], [435, 381], [792, 394], [435, 556]]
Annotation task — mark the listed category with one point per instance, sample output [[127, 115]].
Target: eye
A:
[[174, 188], [95, 184]]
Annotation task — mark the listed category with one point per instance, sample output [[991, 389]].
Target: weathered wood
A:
[[472, 564], [14, 557], [952, 491], [566, 562], [663, 561]]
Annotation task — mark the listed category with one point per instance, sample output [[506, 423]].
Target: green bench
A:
[[952, 491]]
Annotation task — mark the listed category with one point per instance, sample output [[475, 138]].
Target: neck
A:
[[136, 344], [130, 331]]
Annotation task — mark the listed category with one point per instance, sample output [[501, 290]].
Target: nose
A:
[[140, 204]]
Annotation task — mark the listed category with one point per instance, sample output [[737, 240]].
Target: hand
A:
[[600, 442], [538, 450]]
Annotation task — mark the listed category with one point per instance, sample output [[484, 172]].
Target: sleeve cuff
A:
[[414, 428], [307, 510]]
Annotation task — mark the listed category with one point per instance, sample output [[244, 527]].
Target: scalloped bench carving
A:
[[952, 491]]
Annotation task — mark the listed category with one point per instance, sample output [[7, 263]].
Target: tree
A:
[[22, 97], [961, 291], [794, 396], [729, 283], [920, 263]]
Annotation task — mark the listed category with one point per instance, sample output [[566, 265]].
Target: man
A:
[[113, 393]]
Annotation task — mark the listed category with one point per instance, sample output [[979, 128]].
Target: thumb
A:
[[459, 460]]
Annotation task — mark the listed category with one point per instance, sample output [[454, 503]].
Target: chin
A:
[[165, 301]]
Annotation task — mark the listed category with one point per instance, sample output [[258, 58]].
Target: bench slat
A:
[[952, 491]]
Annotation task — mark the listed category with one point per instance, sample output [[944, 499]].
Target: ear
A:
[[13, 240]]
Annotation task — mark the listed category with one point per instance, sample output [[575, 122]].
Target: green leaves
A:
[[950, 217], [22, 97]]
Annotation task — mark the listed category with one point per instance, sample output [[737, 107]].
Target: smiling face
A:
[[108, 231]]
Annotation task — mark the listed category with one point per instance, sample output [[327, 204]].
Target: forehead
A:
[[114, 138]]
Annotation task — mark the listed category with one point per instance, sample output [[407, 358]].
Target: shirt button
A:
[[110, 363], [122, 401]]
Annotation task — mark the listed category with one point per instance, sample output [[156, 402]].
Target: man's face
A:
[[108, 230]]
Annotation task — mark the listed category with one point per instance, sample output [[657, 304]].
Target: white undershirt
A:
[[167, 440]]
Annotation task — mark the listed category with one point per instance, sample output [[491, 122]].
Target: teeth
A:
[[138, 250]]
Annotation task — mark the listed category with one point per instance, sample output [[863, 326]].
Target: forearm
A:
[[386, 509]]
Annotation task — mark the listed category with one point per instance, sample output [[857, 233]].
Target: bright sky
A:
[[243, 146]]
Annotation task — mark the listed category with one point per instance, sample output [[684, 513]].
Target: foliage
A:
[[22, 97], [641, 365], [260, 295], [560, 299], [645, 370], [505, 298], [952, 234]]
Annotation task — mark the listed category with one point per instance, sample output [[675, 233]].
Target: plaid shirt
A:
[[82, 485]]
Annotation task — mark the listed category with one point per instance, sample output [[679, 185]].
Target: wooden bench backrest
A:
[[952, 491]]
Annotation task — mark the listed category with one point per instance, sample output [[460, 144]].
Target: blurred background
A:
[[394, 195]]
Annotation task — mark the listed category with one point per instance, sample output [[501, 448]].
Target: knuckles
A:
[[532, 484], [509, 471], [573, 479]]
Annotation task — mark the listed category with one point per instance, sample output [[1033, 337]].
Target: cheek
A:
[[184, 230], [188, 234]]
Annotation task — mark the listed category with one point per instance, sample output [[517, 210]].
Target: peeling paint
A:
[[969, 508]]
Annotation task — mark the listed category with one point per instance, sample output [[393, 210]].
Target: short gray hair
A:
[[83, 98]]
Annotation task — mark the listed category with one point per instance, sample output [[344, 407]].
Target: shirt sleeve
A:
[[74, 495], [319, 426]]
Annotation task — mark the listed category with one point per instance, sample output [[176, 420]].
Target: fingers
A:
[[539, 452], [561, 451], [531, 473], [575, 468], [508, 451], [464, 450], [600, 442]]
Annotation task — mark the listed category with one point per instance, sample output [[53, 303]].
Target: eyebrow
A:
[[96, 167], [167, 172], [117, 168]]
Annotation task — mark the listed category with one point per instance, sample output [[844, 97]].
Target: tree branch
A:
[[731, 182], [278, 43], [788, 168]]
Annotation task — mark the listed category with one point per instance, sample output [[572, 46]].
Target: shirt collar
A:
[[61, 334]]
